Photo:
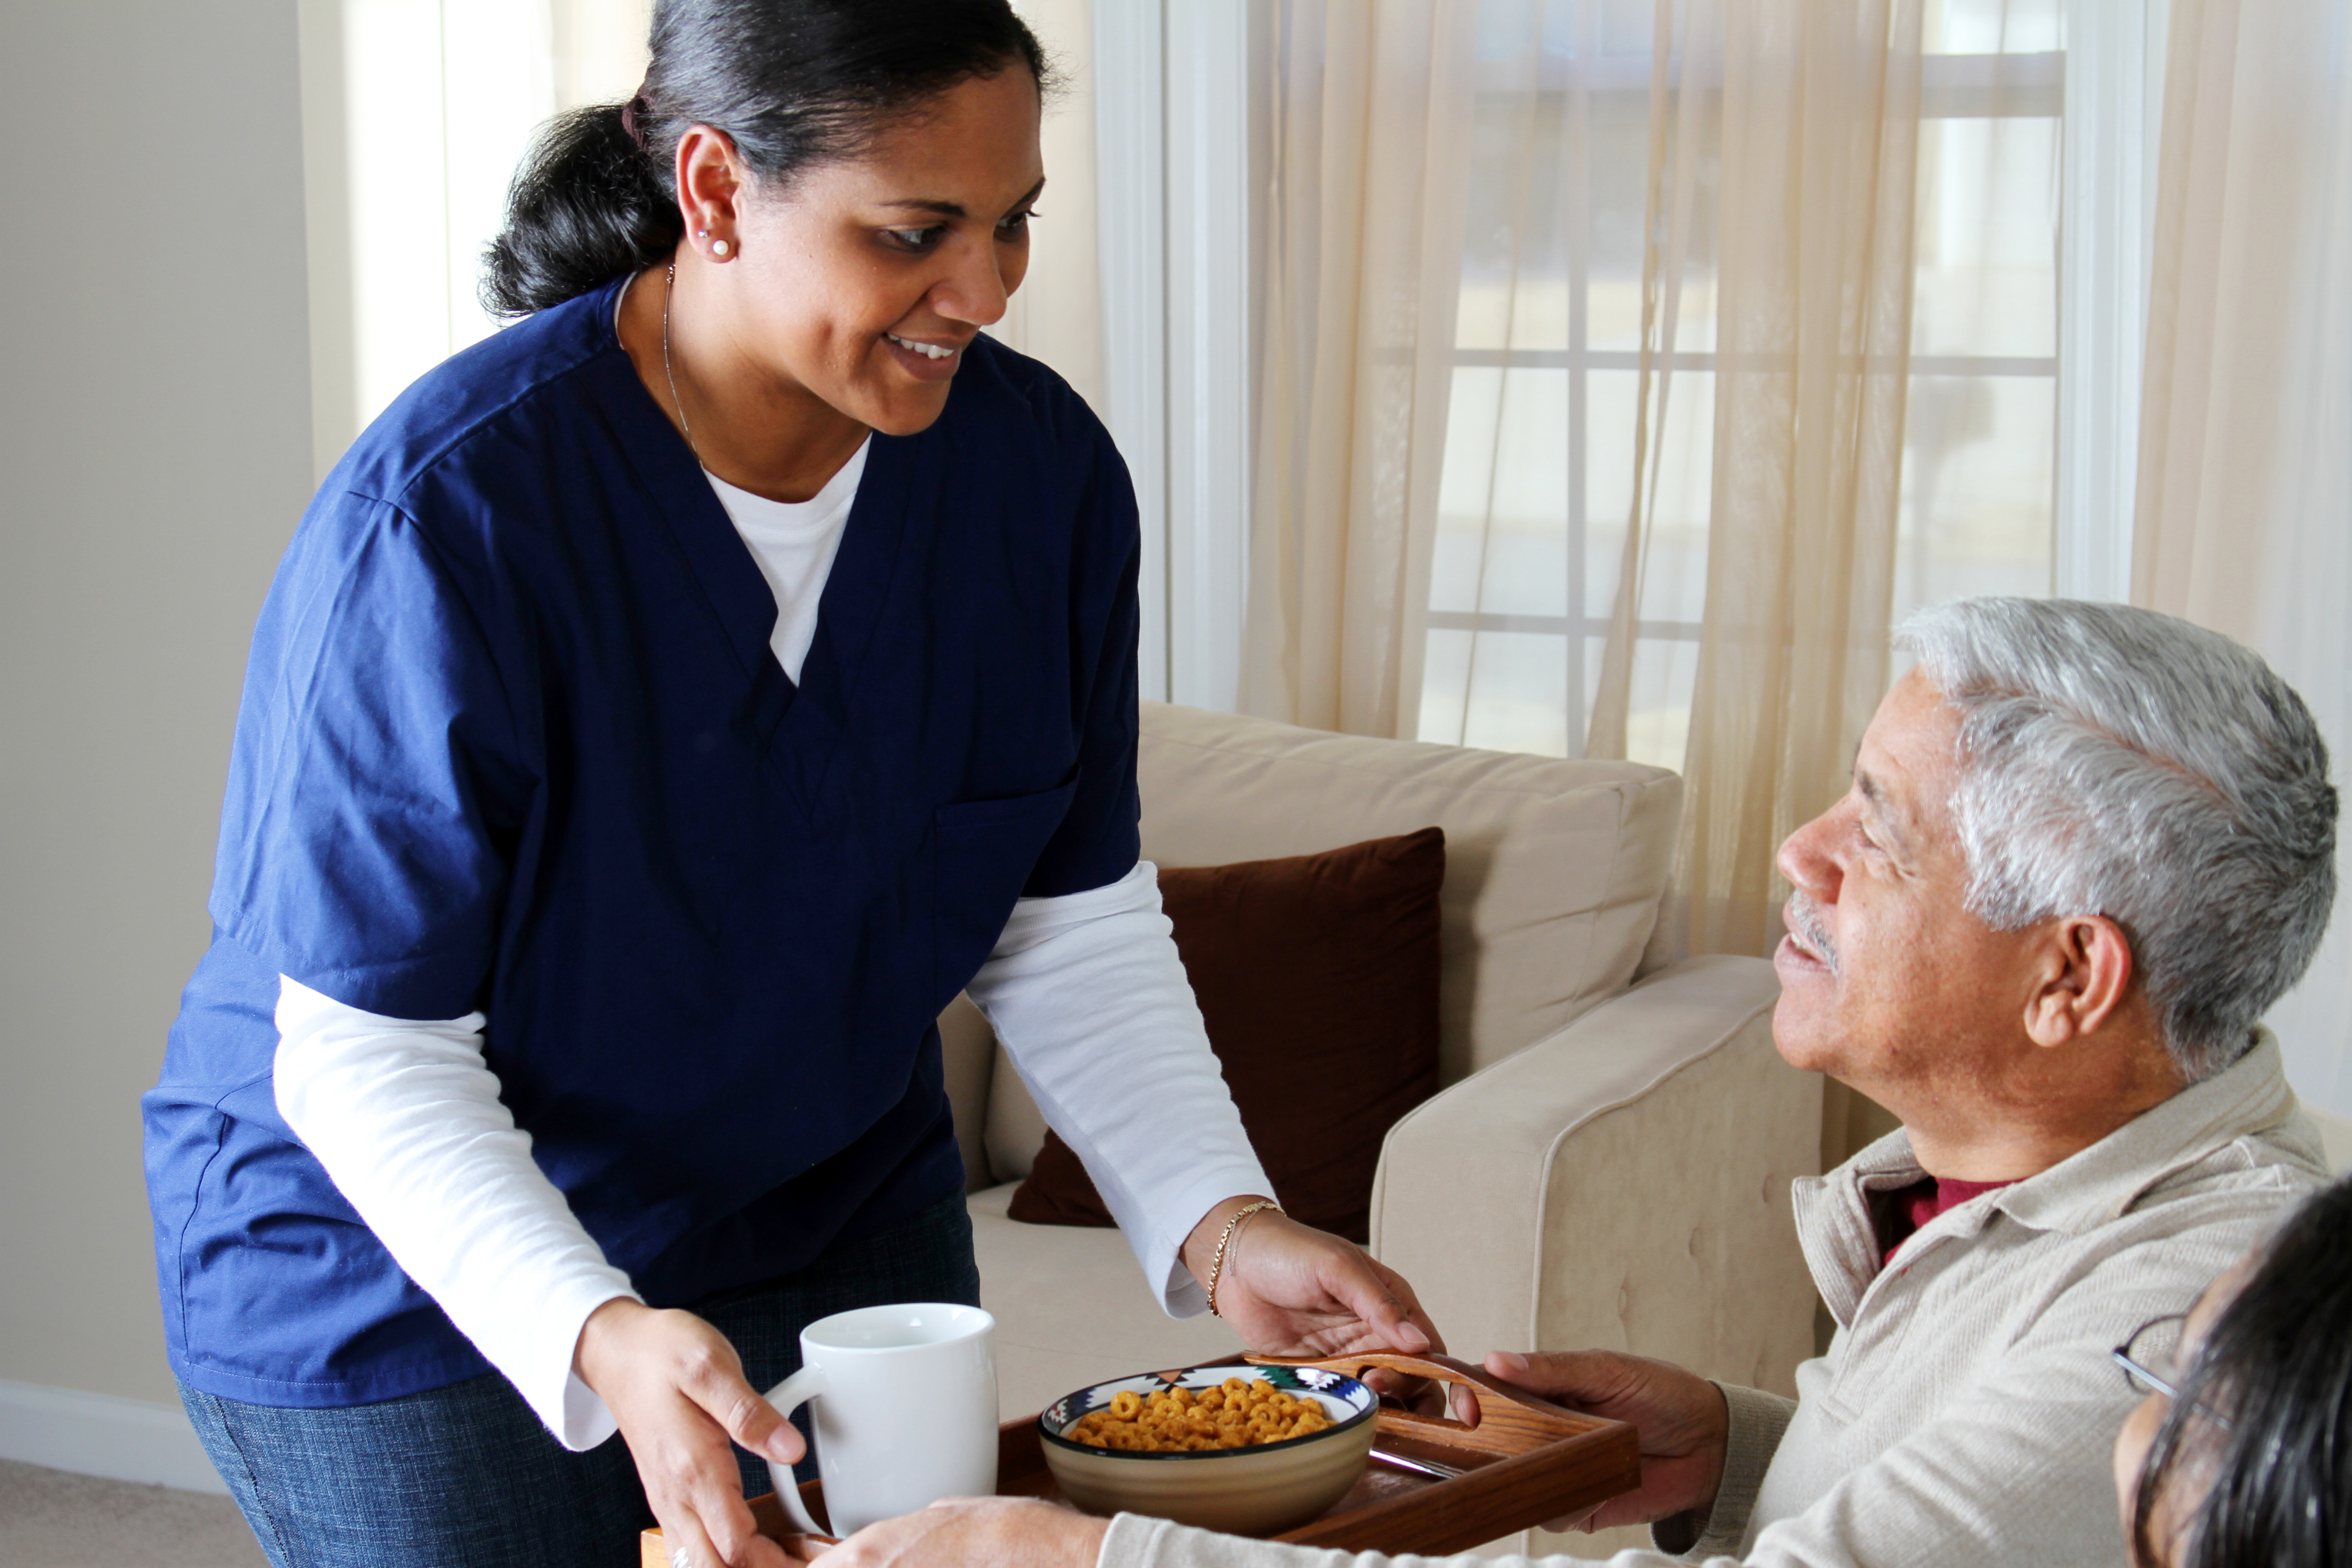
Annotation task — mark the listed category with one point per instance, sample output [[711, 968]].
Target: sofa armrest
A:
[[1621, 1184]]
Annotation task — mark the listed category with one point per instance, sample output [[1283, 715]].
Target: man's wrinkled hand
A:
[[1681, 1418], [975, 1532], [676, 1388]]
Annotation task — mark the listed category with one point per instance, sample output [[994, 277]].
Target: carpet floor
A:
[[49, 1519]]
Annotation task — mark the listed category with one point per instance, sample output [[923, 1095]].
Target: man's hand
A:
[[677, 1387], [975, 1532], [1681, 1418]]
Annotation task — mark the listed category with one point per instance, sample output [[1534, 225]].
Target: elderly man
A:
[[2085, 849]]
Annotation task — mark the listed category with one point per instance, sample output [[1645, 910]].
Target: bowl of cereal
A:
[[1253, 1450]]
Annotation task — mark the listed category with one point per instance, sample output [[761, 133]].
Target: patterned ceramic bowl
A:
[[1257, 1491]]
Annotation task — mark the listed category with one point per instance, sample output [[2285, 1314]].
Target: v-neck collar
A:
[[814, 713]]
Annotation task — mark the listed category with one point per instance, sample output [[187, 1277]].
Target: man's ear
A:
[[2085, 975]]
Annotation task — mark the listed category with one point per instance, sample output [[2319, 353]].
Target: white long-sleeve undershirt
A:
[[1085, 991]]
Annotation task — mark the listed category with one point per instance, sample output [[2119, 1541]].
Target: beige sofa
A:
[[1609, 1165]]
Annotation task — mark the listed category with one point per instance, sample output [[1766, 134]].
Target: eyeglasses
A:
[[2147, 1360], [2147, 1356]]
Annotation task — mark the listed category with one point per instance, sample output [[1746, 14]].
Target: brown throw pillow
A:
[[1318, 978]]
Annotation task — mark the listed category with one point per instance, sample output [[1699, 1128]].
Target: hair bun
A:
[[586, 206]]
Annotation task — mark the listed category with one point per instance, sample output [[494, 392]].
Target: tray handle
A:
[[1504, 1410]]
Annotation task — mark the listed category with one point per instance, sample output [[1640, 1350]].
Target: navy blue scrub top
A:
[[512, 740]]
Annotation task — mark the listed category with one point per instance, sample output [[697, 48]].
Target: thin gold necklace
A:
[[669, 283]]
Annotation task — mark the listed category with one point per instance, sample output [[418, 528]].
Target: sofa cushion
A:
[[1554, 869], [1316, 976]]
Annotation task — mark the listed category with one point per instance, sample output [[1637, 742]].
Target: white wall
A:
[[154, 455]]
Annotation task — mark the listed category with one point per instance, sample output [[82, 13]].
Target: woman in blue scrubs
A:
[[664, 709]]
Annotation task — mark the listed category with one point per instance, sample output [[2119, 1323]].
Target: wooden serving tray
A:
[[1526, 1461]]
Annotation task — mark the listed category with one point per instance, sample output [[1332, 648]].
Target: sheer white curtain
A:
[[1368, 166], [1814, 128], [1057, 314], [2245, 516], [1756, 348], [415, 113], [1742, 340]]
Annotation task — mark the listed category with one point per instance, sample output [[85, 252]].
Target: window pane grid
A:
[[1986, 324]]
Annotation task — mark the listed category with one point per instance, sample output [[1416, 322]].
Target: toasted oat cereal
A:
[[1237, 1414]]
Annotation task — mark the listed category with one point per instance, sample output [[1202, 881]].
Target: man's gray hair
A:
[[2121, 762]]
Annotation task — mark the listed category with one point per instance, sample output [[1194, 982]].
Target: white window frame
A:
[[1953, 86], [1178, 126]]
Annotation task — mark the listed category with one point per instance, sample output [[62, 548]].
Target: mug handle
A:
[[788, 1397]]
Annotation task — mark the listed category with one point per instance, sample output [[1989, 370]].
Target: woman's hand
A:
[[677, 1387], [975, 1532], [1291, 1291], [1680, 1418]]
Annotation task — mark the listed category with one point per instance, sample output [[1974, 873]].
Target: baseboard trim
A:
[[100, 1435]]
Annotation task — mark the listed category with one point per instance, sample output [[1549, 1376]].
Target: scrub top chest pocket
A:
[[984, 853]]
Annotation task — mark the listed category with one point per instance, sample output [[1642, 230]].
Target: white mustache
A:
[[1804, 917]]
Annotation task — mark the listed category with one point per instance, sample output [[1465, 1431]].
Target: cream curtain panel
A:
[[1816, 136], [414, 115], [1371, 109], [1782, 163], [2243, 521]]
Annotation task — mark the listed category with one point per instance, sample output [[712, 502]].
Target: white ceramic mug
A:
[[905, 1411]]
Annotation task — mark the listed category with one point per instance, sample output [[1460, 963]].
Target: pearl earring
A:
[[719, 248]]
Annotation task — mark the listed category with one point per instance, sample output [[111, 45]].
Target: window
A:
[[416, 115], [1537, 486]]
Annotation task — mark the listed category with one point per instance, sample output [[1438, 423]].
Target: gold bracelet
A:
[[1217, 1264]]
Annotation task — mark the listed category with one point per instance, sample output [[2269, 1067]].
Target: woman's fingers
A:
[[1360, 1302], [696, 1493], [689, 1546], [1400, 1288], [692, 1545], [1397, 1330], [1364, 1294], [1300, 1291], [725, 1520], [714, 1380], [676, 1389], [721, 1406]]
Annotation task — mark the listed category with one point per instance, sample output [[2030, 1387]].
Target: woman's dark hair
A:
[[792, 82], [2276, 1364]]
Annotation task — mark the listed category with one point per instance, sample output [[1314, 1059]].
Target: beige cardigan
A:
[[1966, 1411]]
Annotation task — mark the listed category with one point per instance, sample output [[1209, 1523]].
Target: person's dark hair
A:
[[791, 82], [2276, 1364]]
